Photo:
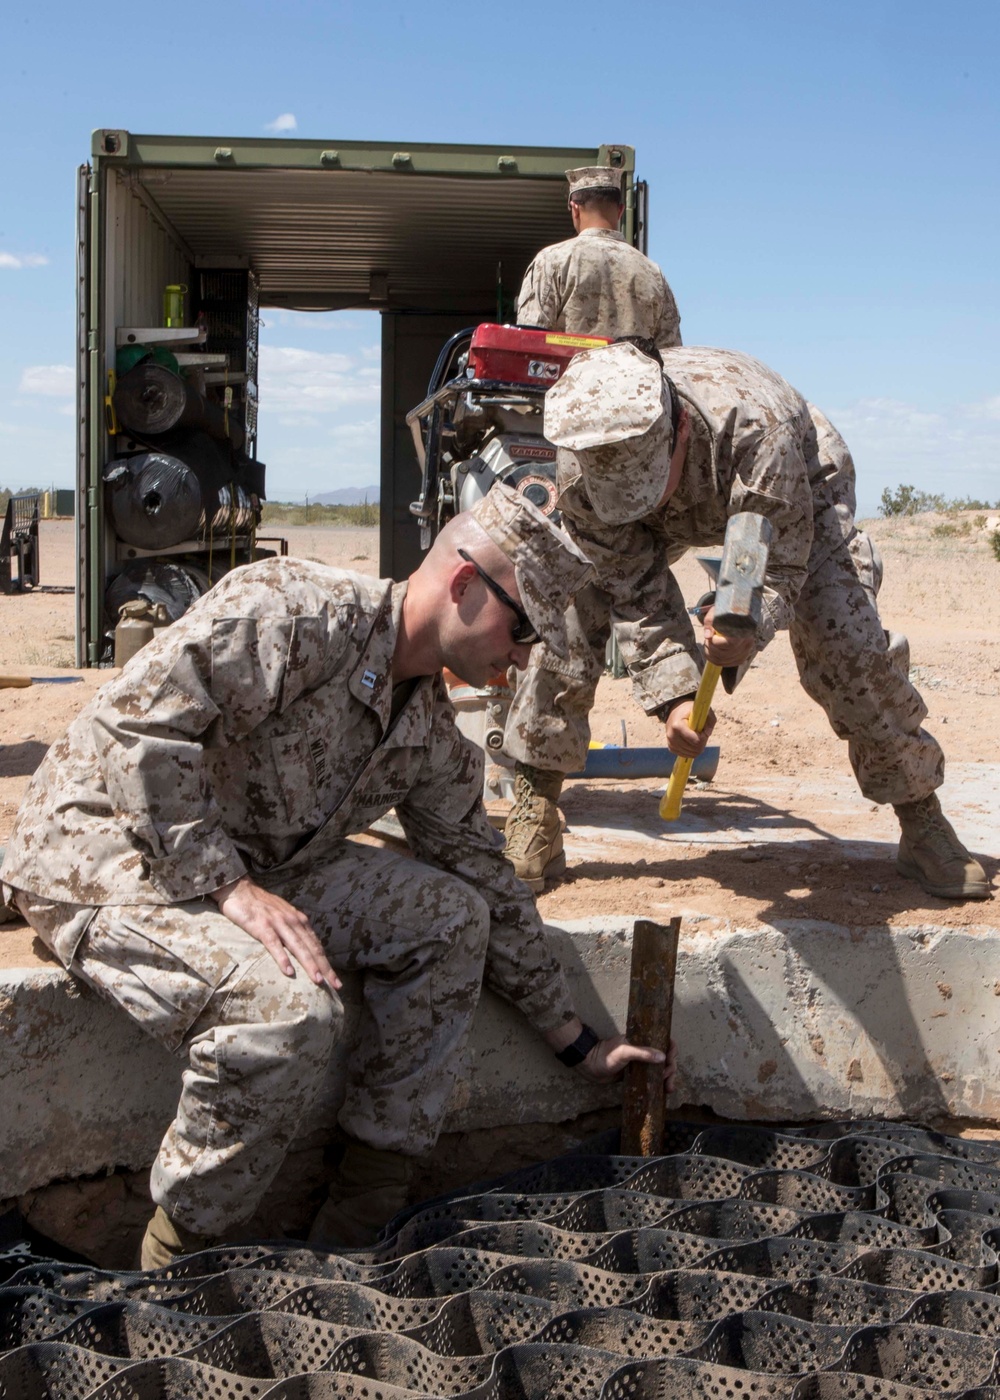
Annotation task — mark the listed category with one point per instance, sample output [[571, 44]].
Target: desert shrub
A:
[[907, 500], [946, 529], [363, 516], [968, 503], [995, 543]]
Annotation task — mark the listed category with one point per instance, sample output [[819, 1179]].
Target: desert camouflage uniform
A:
[[755, 445], [597, 284], [256, 735]]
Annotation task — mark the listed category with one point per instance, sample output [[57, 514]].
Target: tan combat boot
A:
[[929, 851], [165, 1241], [534, 831], [369, 1187]]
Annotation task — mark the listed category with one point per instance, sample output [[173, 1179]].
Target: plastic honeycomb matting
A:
[[821, 1263]]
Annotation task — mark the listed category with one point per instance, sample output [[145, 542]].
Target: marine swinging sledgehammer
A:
[[738, 596]]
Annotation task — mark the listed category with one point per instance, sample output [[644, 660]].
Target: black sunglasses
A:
[[523, 632]]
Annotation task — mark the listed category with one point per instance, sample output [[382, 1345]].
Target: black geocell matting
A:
[[848, 1260]]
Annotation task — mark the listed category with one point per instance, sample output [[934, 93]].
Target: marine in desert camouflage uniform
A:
[[183, 850], [651, 462], [596, 283]]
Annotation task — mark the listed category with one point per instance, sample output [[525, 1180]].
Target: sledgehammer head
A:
[[740, 586]]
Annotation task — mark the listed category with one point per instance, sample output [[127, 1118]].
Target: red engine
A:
[[518, 356], [482, 420]]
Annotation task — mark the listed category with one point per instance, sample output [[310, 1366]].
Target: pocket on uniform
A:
[[867, 560], [295, 766], [157, 962]]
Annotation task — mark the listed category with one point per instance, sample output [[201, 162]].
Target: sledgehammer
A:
[[738, 597]]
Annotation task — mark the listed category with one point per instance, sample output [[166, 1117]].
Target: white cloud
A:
[[285, 122], [954, 451], [362, 437], [42, 446], [298, 322], [892, 416], [988, 408], [298, 420], [51, 381], [23, 260], [310, 381], [303, 461]]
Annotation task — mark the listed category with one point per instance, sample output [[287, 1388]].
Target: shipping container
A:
[[184, 241]]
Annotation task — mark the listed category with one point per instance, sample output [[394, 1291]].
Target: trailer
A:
[[434, 237]]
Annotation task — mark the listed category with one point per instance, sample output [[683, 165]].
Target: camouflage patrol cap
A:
[[591, 178], [610, 417], [548, 566]]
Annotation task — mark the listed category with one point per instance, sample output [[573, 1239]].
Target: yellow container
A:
[[173, 304]]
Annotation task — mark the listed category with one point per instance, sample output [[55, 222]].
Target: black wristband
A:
[[581, 1047]]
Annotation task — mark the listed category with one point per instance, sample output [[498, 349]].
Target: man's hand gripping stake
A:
[[738, 598]]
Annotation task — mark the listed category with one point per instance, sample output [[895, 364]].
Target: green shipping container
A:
[[434, 237]]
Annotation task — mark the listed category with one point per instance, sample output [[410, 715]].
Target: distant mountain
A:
[[349, 496]]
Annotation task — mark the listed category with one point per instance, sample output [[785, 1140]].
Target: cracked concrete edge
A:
[[799, 1021], [805, 1020]]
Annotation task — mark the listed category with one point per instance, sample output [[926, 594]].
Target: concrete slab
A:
[[84, 1090], [801, 808], [800, 1020]]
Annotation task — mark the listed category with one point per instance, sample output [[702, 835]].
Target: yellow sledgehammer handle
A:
[[670, 803]]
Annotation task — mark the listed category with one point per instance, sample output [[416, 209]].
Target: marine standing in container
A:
[[593, 284], [597, 283], [183, 851], [653, 460]]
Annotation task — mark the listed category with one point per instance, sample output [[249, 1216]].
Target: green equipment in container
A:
[[128, 356]]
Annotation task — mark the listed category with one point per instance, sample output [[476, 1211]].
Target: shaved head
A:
[[450, 618], [464, 532]]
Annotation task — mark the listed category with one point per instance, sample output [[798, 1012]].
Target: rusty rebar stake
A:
[[650, 1010]]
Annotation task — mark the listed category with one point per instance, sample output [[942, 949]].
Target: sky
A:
[[823, 193]]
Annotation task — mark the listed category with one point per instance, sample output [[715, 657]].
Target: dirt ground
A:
[[938, 590]]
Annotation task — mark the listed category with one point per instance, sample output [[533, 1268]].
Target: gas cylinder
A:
[[137, 621]]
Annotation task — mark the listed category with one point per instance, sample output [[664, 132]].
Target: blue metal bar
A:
[[614, 762]]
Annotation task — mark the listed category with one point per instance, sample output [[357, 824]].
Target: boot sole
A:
[[913, 872], [555, 868]]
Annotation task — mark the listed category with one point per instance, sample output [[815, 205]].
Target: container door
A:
[[640, 231], [83, 344]]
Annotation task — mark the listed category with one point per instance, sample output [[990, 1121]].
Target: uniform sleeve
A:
[[446, 826], [540, 301], [648, 612], [205, 682], [652, 624], [771, 478], [668, 333]]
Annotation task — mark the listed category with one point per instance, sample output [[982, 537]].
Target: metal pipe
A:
[[658, 762], [650, 1011]]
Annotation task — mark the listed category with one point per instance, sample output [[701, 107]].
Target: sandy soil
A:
[[937, 590]]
